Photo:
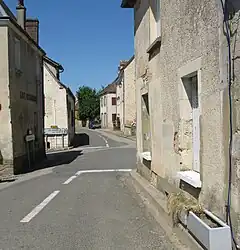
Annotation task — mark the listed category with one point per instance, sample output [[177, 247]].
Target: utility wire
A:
[[228, 206]]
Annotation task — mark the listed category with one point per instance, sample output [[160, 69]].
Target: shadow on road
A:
[[58, 159], [81, 139]]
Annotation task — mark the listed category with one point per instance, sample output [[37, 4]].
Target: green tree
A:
[[89, 103]]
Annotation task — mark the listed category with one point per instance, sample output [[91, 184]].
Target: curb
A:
[[156, 203], [119, 135]]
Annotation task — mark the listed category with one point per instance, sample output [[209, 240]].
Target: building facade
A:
[[129, 111], [108, 106], [21, 90], [59, 108], [126, 96], [186, 115]]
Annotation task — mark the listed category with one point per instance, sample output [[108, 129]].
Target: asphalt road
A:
[[79, 201]]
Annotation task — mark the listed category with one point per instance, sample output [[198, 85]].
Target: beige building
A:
[[59, 108], [128, 96], [21, 92], [108, 106], [183, 112]]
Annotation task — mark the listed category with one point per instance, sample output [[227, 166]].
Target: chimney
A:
[[32, 28], [21, 13]]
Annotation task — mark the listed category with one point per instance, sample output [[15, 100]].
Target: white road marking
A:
[[107, 145], [98, 147], [102, 171], [38, 208], [69, 180]]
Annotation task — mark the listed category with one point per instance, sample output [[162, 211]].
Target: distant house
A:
[[108, 108], [126, 96], [21, 92], [59, 107]]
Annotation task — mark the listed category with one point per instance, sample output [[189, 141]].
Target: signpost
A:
[[29, 139]]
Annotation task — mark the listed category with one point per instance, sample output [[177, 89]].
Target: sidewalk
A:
[[156, 204], [118, 133]]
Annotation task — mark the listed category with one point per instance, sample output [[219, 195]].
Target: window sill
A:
[[154, 46], [146, 156], [191, 177]]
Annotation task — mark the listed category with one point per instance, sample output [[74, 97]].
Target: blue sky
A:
[[88, 38]]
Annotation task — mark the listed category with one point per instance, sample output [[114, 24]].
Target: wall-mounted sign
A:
[[29, 138], [28, 97]]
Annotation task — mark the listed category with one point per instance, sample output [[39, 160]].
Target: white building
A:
[[59, 108], [108, 107]]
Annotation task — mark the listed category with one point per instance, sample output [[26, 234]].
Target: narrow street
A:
[[79, 201]]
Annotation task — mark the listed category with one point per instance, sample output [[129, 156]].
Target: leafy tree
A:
[[89, 103]]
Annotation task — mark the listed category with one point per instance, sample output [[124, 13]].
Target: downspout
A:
[[123, 83]]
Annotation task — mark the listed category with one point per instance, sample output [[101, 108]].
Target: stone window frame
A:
[[190, 69]]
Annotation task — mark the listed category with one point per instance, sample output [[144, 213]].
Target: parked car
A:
[[94, 124]]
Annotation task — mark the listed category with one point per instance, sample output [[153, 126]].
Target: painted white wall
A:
[[57, 112], [107, 110]]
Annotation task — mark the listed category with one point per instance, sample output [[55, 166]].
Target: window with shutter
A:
[[17, 54]]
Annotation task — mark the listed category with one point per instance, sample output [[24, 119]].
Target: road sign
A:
[[55, 131]]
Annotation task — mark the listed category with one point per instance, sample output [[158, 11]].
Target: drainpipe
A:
[[123, 84]]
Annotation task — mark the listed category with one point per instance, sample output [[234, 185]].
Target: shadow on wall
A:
[[81, 139]]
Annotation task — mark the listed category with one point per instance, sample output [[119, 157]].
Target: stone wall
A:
[[129, 94], [192, 42], [6, 150], [235, 31], [26, 95]]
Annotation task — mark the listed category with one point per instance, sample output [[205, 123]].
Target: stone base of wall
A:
[[21, 163], [158, 182], [166, 188], [6, 170]]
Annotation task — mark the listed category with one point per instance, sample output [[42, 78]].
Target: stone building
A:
[[108, 108], [59, 108], [21, 90], [126, 95], [184, 118]]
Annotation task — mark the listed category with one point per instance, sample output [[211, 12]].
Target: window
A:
[[155, 20], [17, 54], [114, 117], [38, 67], [105, 101], [101, 100], [72, 119], [114, 101], [35, 124]]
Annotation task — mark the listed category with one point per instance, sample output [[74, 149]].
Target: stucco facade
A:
[[129, 86], [22, 107], [59, 107], [108, 107], [126, 95], [183, 103]]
